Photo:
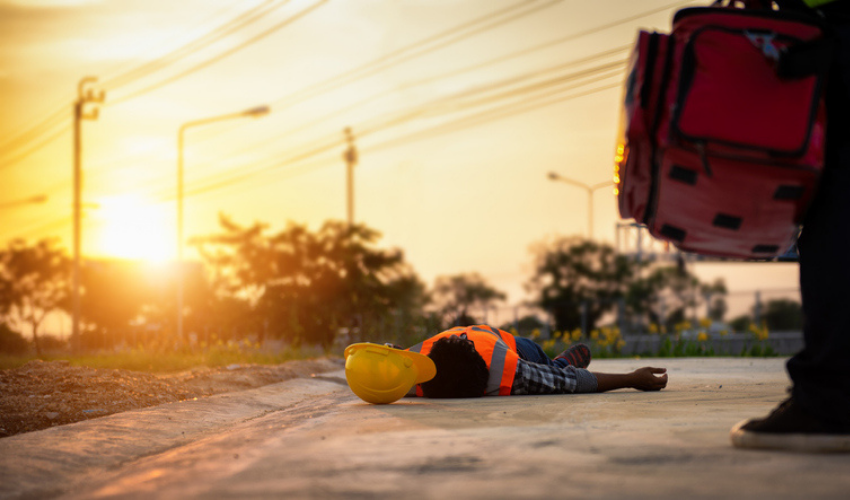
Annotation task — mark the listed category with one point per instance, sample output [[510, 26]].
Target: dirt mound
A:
[[43, 394]]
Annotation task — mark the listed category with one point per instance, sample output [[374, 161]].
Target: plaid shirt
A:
[[536, 378]]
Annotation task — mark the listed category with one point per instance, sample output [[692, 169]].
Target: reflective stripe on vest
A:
[[497, 347]]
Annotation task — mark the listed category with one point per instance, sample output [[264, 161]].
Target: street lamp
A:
[[590, 190], [253, 112]]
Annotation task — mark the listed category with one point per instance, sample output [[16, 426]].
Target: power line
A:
[[36, 130], [487, 116], [515, 54], [252, 14], [229, 179], [353, 75], [382, 94], [244, 19], [437, 37], [401, 55], [52, 120], [483, 118], [220, 56], [221, 180], [35, 148]]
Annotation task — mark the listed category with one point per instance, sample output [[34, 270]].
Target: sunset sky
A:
[[459, 110]]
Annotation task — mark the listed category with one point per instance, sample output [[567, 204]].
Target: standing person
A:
[[481, 360], [816, 415]]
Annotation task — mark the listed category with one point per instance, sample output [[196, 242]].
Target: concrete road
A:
[[312, 438]]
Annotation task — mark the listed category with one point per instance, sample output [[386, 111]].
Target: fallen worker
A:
[[481, 360]]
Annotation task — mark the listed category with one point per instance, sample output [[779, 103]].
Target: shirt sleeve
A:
[[535, 378]]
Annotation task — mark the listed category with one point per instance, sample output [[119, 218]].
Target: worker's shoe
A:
[[789, 427], [577, 355]]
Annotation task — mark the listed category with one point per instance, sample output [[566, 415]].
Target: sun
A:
[[130, 227]]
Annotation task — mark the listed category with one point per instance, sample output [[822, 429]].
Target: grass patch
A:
[[169, 362]]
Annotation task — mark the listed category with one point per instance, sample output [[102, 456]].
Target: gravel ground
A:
[[43, 394]]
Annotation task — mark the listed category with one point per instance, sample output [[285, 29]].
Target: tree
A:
[[457, 296], [572, 274], [665, 294], [783, 315], [12, 342], [714, 299], [307, 286], [34, 281]]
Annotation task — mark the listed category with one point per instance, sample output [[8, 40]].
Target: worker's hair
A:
[[461, 371]]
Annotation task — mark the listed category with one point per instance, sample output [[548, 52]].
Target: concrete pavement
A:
[[312, 438]]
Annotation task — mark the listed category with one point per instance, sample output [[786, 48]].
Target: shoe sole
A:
[[807, 443]]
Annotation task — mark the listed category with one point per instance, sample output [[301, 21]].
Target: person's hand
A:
[[649, 379]]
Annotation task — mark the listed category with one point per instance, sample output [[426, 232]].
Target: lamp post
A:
[[253, 112], [590, 190]]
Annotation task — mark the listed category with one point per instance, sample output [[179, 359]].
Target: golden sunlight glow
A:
[[132, 228]]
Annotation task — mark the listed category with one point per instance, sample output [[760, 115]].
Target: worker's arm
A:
[[644, 379]]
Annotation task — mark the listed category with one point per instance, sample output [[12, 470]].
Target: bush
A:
[[12, 342]]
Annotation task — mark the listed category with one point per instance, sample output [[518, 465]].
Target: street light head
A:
[[553, 176], [258, 111]]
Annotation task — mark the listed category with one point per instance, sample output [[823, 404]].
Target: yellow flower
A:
[[653, 328], [535, 334], [594, 335], [576, 334], [724, 333], [702, 337], [621, 344], [705, 323]]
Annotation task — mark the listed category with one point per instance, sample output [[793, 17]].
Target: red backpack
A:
[[724, 129]]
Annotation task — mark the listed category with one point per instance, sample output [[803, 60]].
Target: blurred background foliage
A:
[[320, 290]]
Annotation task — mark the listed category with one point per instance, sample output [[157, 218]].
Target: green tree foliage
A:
[[12, 342], [34, 281], [571, 273], [783, 315], [458, 297], [664, 295], [309, 285], [741, 323]]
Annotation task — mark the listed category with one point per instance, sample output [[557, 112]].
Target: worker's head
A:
[[461, 371]]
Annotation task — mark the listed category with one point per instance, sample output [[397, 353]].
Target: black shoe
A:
[[790, 428]]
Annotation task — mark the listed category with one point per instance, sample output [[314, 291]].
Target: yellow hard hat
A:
[[379, 374]]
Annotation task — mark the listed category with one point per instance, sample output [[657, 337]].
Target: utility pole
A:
[[85, 95], [350, 157]]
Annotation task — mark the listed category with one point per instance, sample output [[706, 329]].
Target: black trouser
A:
[[821, 371]]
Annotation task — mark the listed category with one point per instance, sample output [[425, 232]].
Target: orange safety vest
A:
[[497, 347]]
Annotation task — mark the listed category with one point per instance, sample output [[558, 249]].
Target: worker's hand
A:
[[649, 379]]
